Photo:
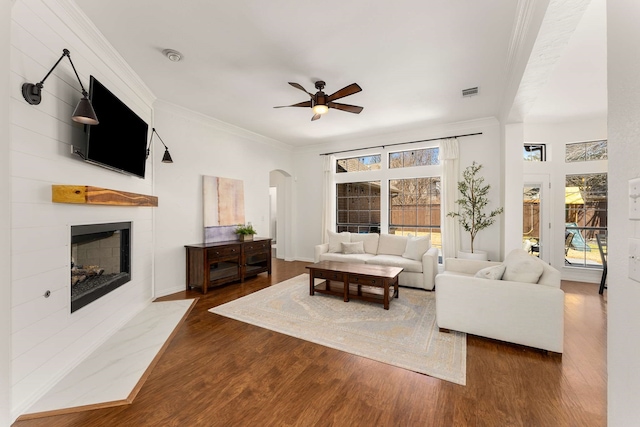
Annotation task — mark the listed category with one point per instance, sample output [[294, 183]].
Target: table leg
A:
[[311, 281], [396, 287], [346, 288], [386, 294]]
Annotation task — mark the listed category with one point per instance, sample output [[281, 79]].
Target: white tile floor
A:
[[112, 372]]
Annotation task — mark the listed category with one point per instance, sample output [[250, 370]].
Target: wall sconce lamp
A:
[[167, 157], [83, 113]]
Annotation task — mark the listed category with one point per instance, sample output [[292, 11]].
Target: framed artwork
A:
[[223, 202]]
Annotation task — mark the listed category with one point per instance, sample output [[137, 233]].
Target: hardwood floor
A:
[[221, 372]]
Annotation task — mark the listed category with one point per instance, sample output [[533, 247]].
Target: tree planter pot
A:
[[245, 237], [477, 255]]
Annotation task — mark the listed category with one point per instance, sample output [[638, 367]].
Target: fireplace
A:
[[100, 261]]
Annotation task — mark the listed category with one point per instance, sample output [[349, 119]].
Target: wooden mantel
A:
[[85, 194]]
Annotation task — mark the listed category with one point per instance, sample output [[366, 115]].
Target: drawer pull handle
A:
[[356, 279], [373, 282]]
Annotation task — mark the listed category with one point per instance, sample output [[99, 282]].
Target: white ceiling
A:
[[412, 58], [576, 88]]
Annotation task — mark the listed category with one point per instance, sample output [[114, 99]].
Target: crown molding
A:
[[89, 34]]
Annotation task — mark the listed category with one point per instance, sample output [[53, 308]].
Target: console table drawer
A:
[[223, 251], [256, 246]]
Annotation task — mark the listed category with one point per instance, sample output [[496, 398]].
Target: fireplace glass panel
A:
[[100, 261]]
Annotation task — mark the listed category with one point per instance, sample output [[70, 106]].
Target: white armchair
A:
[[530, 314]]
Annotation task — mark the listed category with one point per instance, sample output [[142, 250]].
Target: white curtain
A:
[[328, 196], [449, 158]]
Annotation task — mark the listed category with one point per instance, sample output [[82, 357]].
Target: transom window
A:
[[358, 164], [586, 151], [409, 158], [535, 153]]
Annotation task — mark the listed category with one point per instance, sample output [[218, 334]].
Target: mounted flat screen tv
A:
[[119, 141]]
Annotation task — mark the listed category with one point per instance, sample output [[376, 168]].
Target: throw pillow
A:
[[353, 248], [392, 244], [369, 240], [494, 272], [522, 267], [416, 247], [336, 240]]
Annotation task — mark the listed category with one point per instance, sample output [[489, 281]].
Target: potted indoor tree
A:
[[245, 232], [471, 207]]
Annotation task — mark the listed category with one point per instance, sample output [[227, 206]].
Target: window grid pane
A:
[[414, 207], [586, 151], [358, 207], [586, 205], [409, 158], [359, 164]]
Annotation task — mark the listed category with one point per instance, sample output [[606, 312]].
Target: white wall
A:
[[199, 146], [623, 43], [5, 217], [484, 149], [47, 340]]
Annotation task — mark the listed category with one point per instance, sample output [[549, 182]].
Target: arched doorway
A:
[[280, 213]]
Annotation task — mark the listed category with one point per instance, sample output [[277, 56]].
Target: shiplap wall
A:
[[47, 341]]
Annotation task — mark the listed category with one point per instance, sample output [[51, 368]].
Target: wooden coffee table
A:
[[351, 278]]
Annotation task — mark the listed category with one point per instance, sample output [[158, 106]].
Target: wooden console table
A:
[[215, 264]]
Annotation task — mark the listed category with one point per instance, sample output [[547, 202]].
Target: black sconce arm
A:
[[83, 112], [167, 157], [33, 92]]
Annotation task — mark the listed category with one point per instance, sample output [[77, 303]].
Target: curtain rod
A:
[[402, 143]]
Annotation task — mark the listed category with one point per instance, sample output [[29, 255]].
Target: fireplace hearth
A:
[[100, 261]]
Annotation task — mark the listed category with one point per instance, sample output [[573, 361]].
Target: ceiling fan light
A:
[[320, 109]]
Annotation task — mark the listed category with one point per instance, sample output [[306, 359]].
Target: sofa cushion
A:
[[336, 240], [370, 241], [522, 267], [353, 248], [391, 244], [416, 247], [492, 273], [352, 258], [397, 261]]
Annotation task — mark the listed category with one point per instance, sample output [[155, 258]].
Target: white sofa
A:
[[530, 314], [414, 254]]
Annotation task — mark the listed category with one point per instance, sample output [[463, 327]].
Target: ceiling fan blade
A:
[[299, 104], [346, 107], [345, 91], [316, 117], [297, 86]]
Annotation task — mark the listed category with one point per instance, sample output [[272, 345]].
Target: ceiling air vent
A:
[[470, 92]]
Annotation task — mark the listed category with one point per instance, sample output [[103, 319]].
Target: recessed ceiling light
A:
[[173, 55]]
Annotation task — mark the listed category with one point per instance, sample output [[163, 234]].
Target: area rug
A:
[[405, 336]]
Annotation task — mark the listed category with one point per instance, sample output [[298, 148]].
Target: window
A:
[[405, 159], [414, 207], [535, 153], [585, 217], [586, 151], [358, 164], [358, 207]]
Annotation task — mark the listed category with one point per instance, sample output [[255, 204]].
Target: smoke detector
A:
[[469, 92], [173, 55]]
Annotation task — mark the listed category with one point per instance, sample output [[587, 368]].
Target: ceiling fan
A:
[[320, 102]]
